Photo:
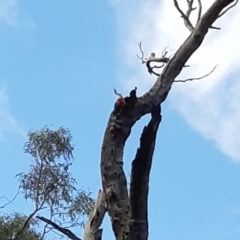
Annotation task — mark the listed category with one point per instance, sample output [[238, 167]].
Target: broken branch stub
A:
[[91, 229]]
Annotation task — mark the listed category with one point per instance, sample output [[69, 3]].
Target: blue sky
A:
[[60, 61]]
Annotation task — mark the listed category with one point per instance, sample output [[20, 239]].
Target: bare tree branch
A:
[[227, 9], [199, 10], [10, 201], [152, 58], [46, 228], [190, 8], [139, 185], [165, 52], [117, 93], [65, 231], [216, 28], [197, 78], [186, 19], [45, 231], [142, 54], [119, 126]]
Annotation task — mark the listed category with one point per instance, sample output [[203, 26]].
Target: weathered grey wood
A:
[[91, 229], [139, 185], [119, 126]]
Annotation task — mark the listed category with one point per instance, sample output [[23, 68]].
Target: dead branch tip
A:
[[117, 93], [197, 78], [186, 16], [227, 9]]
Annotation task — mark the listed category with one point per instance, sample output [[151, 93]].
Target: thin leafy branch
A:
[[49, 183], [11, 224], [26, 223]]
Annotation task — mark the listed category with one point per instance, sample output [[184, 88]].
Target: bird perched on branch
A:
[[132, 96], [129, 101], [119, 103], [152, 55]]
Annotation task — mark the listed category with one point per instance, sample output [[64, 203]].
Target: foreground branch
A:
[[65, 231], [139, 186]]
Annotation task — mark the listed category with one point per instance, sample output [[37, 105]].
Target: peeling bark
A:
[[119, 125]]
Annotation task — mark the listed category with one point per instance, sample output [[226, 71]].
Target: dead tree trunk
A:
[[128, 212]]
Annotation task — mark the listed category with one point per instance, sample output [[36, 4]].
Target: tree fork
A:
[[119, 126]]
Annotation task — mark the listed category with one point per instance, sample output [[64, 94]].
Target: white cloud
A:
[[211, 106], [7, 121], [8, 12]]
